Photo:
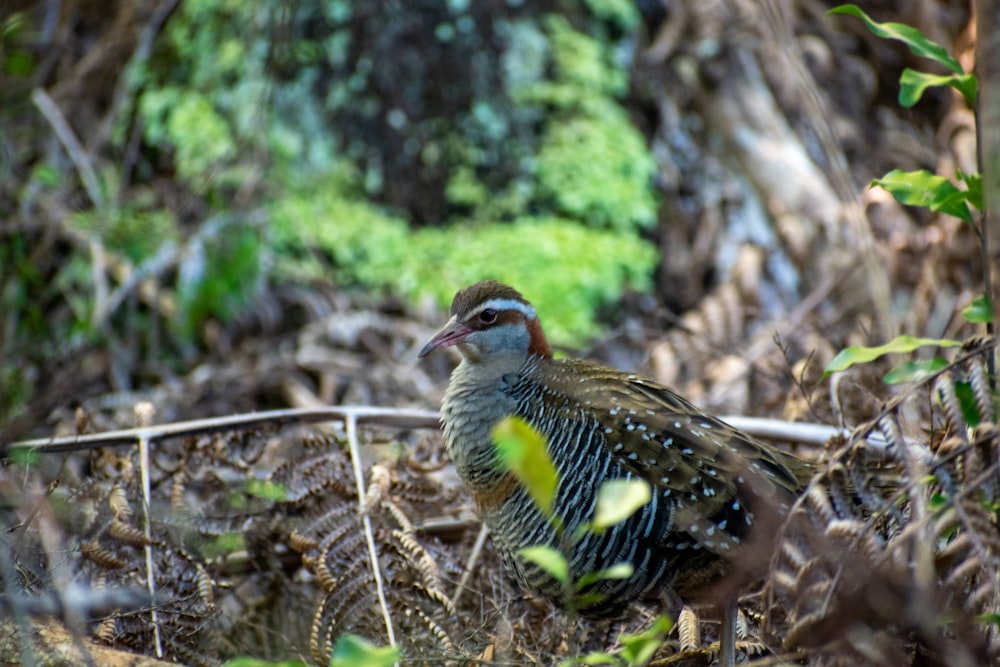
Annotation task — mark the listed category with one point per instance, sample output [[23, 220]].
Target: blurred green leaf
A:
[[354, 651], [918, 43], [222, 545], [859, 354], [991, 619], [914, 371], [523, 451], [25, 457], [912, 85], [980, 311], [616, 571], [937, 500], [255, 662], [592, 658], [261, 488], [617, 500], [639, 648], [974, 183], [922, 188], [967, 402], [549, 559]]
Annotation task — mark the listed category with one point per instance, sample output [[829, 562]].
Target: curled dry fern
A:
[[895, 549]]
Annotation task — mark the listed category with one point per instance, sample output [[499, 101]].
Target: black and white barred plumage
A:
[[711, 483]]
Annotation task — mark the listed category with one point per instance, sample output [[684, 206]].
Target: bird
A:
[[717, 493]]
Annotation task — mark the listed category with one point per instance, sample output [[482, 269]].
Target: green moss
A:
[[568, 270], [598, 169]]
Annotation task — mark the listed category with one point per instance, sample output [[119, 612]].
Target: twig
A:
[[393, 417], [470, 564], [352, 442], [144, 415], [81, 160], [72, 145]]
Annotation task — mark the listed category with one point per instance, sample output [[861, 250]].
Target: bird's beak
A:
[[452, 333]]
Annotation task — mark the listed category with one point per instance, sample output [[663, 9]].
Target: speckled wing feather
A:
[[708, 470]]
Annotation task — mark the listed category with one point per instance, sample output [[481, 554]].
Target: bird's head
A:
[[490, 319]]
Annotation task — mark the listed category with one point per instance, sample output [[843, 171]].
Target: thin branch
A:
[[74, 149], [144, 416], [352, 442], [470, 565], [392, 417], [81, 160]]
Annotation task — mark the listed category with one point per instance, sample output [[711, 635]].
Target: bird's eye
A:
[[488, 316]]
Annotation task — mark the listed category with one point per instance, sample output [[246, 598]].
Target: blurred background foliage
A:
[[401, 147], [172, 169]]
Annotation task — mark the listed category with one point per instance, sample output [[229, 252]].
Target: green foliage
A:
[[980, 311], [549, 559], [14, 60], [24, 457], [637, 649], [913, 83], [593, 164], [509, 123], [522, 451], [354, 651], [222, 545], [581, 65], [254, 662], [365, 245], [596, 168], [621, 13], [617, 500], [260, 488], [967, 402], [571, 270], [217, 277], [922, 188], [188, 121], [915, 371], [860, 354], [132, 230]]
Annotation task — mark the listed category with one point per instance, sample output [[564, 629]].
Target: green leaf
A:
[[617, 500], [914, 371], [922, 188], [639, 648], [919, 44], [549, 559], [967, 402], [974, 183], [616, 571], [912, 85], [592, 658], [25, 457], [354, 651], [937, 500], [980, 311], [267, 490], [256, 662], [222, 545], [859, 354], [992, 619], [522, 450]]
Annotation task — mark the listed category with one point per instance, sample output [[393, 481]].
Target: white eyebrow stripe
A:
[[510, 304]]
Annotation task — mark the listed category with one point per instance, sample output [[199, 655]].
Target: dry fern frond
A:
[[900, 555]]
